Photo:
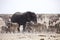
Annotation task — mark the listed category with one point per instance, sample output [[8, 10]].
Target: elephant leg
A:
[[24, 27], [18, 29]]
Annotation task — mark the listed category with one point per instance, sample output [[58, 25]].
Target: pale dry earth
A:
[[29, 36]]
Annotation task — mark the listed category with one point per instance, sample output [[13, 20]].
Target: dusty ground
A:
[[29, 36]]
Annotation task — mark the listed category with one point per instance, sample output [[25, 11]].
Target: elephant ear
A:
[[28, 15]]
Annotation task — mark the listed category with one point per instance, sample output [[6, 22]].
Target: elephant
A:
[[23, 18]]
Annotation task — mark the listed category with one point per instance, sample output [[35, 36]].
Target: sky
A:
[[37, 6]]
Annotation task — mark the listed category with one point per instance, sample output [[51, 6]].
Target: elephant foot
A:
[[24, 31]]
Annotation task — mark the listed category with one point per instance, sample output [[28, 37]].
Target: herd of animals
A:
[[29, 20]]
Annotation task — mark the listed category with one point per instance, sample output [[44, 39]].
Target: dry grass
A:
[[29, 36]]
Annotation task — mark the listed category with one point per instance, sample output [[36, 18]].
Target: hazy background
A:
[[37, 6]]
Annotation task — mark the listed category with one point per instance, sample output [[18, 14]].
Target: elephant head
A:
[[31, 16]]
